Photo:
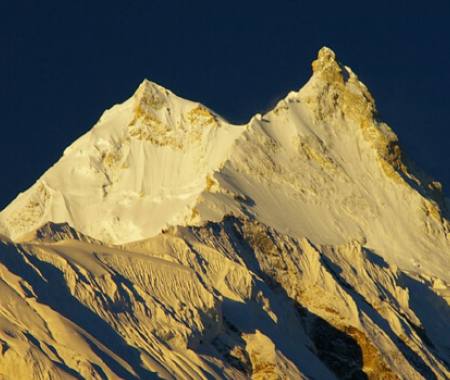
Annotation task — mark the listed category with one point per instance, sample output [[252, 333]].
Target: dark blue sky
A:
[[63, 62]]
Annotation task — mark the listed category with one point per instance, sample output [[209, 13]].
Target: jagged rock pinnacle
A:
[[325, 54], [327, 67]]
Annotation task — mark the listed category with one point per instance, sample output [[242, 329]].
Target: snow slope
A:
[[168, 243], [323, 167], [139, 169]]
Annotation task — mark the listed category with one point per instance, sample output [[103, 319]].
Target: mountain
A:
[[168, 243]]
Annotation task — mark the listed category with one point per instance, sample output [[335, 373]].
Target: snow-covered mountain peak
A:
[[151, 97], [164, 119], [298, 245], [338, 99], [337, 89], [151, 155], [157, 154], [147, 86]]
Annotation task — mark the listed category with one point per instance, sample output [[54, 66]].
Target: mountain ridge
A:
[[169, 243]]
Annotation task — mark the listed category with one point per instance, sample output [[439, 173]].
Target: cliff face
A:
[[168, 243]]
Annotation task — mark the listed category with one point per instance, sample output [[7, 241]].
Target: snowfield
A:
[[168, 243]]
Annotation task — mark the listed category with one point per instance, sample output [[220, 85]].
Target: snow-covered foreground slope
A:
[[168, 243]]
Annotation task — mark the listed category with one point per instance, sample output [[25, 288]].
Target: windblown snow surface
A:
[[167, 243]]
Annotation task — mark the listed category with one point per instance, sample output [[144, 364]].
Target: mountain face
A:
[[168, 243]]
